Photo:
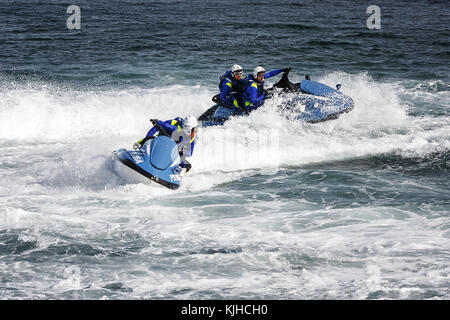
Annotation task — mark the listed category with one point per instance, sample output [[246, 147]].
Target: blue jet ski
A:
[[308, 100], [157, 160]]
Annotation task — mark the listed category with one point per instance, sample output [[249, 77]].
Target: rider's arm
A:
[[167, 125], [272, 73], [152, 132]]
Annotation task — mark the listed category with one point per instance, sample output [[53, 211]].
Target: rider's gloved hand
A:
[[154, 121], [286, 69], [136, 146]]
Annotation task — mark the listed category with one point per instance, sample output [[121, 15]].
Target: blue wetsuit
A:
[[230, 89], [168, 125], [253, 95]]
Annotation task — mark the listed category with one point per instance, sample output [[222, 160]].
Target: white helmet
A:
[[236, 68], [189, 123], [257, 70]]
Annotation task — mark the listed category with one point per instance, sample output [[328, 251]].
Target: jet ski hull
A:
[[317, 102], [140, 162]]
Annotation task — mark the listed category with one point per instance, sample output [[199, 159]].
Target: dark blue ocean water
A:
[[171, 42], [354, 208]]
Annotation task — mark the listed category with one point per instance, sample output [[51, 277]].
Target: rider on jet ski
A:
[[253, 92], [182, 131], [230, 86]]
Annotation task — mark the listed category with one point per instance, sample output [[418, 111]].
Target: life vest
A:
[[184, 142], [226, 79], [235, 87], [250, 81]]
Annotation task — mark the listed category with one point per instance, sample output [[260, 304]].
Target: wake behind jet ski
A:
[[307, 100]]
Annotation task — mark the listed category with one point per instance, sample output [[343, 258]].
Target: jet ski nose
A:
[[162, 152]]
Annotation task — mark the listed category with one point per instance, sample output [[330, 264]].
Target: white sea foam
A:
[[58, 190]]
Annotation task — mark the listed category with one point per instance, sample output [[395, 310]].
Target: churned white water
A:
[[272, 208]]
